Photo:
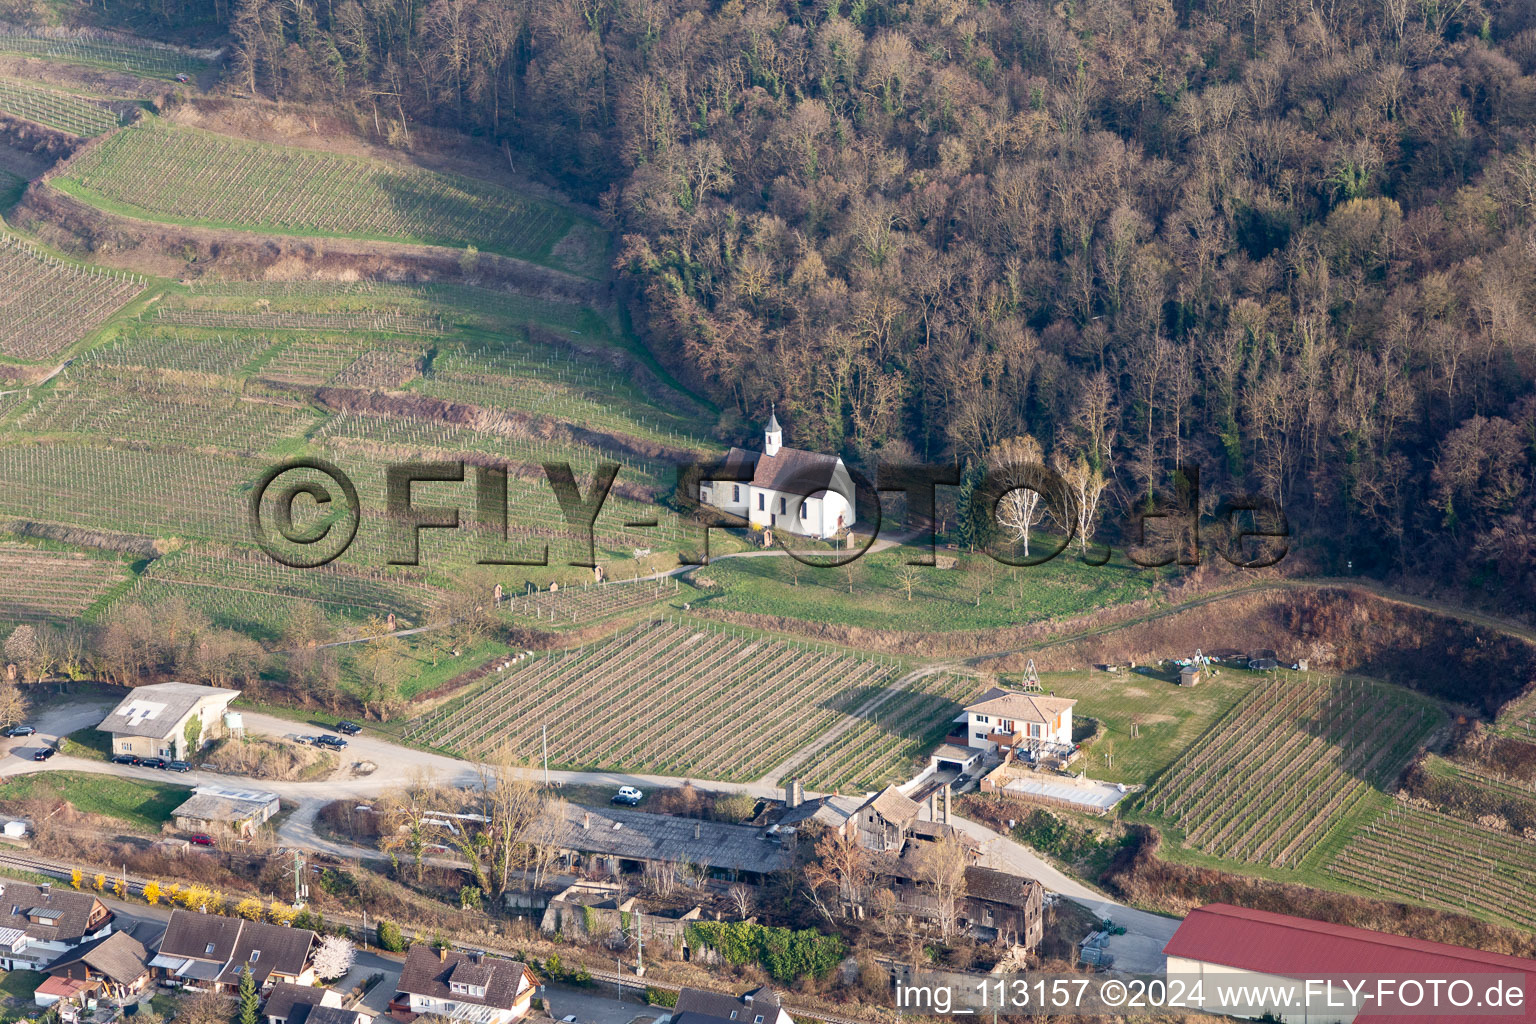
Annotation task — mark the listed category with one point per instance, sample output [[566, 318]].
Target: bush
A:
[[389, 938], [786, 955], [660, 996]]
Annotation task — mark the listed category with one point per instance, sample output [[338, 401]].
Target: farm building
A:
[[155, 720], [52, 922], [463, 986], [998, 906], [801, 492], [630, 841], [1226, 944], [883, 821], [600, 909], [217, 810]]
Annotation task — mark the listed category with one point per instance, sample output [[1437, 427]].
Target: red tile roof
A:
[[1295, 947]]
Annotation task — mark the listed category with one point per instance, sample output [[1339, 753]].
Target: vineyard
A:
[[889, 745], [377, 321], [189, 176], [1518, 717], [575, 606], [100, 50], [1270, 779], [38, 585], [667, 697], [60, 110], [47, 304], [1423, 856], [252, 593]]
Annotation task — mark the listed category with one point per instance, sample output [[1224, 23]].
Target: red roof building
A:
[[1224, 942]]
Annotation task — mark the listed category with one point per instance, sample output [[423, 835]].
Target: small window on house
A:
[[733, 1015], [760, 499], [802, 510], [758, 1019], [782, 507], [209, 949], [255, 955], [736, 492]]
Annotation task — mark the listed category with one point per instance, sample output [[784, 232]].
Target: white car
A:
[[628, 795]]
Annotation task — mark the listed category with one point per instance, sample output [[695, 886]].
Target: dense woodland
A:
[[1289, 240]]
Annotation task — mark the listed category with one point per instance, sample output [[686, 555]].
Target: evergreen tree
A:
[[249, 1001]]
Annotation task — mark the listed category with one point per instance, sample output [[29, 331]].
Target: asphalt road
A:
[[1140, 949]]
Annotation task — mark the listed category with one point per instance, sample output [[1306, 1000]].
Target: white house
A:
[[1030, 721], [805, 493], [162, 719], [470, 987]]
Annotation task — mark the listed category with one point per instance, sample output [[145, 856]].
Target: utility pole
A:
[[545, 741], [639, 945], [300, 888]]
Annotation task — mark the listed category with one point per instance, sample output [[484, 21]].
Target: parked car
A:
[[348, 728], [44, 754], [334, 742], [201, 839], [127, 759], [178, 766], [183, 78], [153, 762], [306, 740], [628, 795], [20, 730]]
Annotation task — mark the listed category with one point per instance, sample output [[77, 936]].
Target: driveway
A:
[[1139, 950], [596, 1005]]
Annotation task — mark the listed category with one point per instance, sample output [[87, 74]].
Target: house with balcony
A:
[[469, 987], [206, 951], [1030, 725], [40, 923]]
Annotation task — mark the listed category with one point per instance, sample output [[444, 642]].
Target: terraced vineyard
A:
[[1518, 717], [667, 697], [40, 585], [379, 321], [56, 109], [252, 593], [101, 50], [1266, 784], [1423, 856], [168, 349], [888, 746], [191, 176], [47, 304]]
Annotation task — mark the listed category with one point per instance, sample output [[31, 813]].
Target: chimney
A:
[[933, 806], [442, 954], [46, 889], [798, 791], [586, 820], [945, 806], [476, 956], [695, 830]]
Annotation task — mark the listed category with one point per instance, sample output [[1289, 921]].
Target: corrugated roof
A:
[[1024, 707], [643, 836], [1257, 940]]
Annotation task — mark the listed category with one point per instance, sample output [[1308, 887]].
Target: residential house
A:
[[759, 1006], [285, 997], [462, 986], [1268, 953], [800, 492], [53, 921], [308, 1004], [219, 810], [205, 951], [155, 720], [117, 963], [1022, 722]]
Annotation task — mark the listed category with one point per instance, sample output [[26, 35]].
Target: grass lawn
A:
[[977, 594], [140, 805], [1169, 717], [18, 986], [89, 742]]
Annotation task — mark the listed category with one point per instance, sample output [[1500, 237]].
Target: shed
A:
[[1189, 675]]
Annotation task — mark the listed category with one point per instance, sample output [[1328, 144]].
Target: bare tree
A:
[[1022, 508], [941, 871]]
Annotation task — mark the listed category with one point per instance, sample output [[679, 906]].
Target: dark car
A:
[[200, 839], [334, 742], [127, 759], [152, 762], [348, 728], [44, 754], [20, 730], [178, 766]]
